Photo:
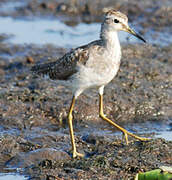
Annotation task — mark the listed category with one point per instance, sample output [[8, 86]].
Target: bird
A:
[[92, 65]]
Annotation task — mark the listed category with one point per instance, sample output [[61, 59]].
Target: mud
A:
[[34, 138]]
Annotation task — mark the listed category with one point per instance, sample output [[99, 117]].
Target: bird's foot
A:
[[75, 154], [126, 133]]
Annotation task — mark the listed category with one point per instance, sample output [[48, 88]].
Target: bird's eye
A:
[[116, 21]]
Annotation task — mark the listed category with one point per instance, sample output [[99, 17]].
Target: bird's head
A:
[[117, 21]]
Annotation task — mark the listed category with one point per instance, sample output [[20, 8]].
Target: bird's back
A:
[[65, 66]]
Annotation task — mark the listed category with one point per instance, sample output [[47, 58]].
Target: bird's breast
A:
[[102, 68]]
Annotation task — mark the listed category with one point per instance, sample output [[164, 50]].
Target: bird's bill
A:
[[131, 31]]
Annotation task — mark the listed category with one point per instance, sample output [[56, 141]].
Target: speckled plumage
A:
[[65, 66]]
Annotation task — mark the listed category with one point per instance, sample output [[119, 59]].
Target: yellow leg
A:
[[75, 153], [125, 132]]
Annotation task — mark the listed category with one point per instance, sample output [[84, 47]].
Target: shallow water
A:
[[156, 130], [43, 31], [159, 130], [52, 31], [167, 135], [10, 6]]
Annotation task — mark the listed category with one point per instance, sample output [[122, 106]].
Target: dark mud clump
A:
[[116, 161]]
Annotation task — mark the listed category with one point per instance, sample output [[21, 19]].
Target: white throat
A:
[[111, 42]]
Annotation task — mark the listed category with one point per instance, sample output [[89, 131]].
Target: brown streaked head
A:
[[119, 22]]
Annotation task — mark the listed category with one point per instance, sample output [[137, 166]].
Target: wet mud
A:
[[34, 137]]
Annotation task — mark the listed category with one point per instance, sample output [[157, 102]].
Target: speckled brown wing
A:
[[64, 67]]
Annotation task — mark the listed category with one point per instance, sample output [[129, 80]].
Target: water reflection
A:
[[5, 176]]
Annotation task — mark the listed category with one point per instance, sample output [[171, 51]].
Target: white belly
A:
[[89, 77]]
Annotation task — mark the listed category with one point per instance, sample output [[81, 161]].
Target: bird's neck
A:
[[110, 39]]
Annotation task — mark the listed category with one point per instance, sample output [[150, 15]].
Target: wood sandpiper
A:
[[92, 65]]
